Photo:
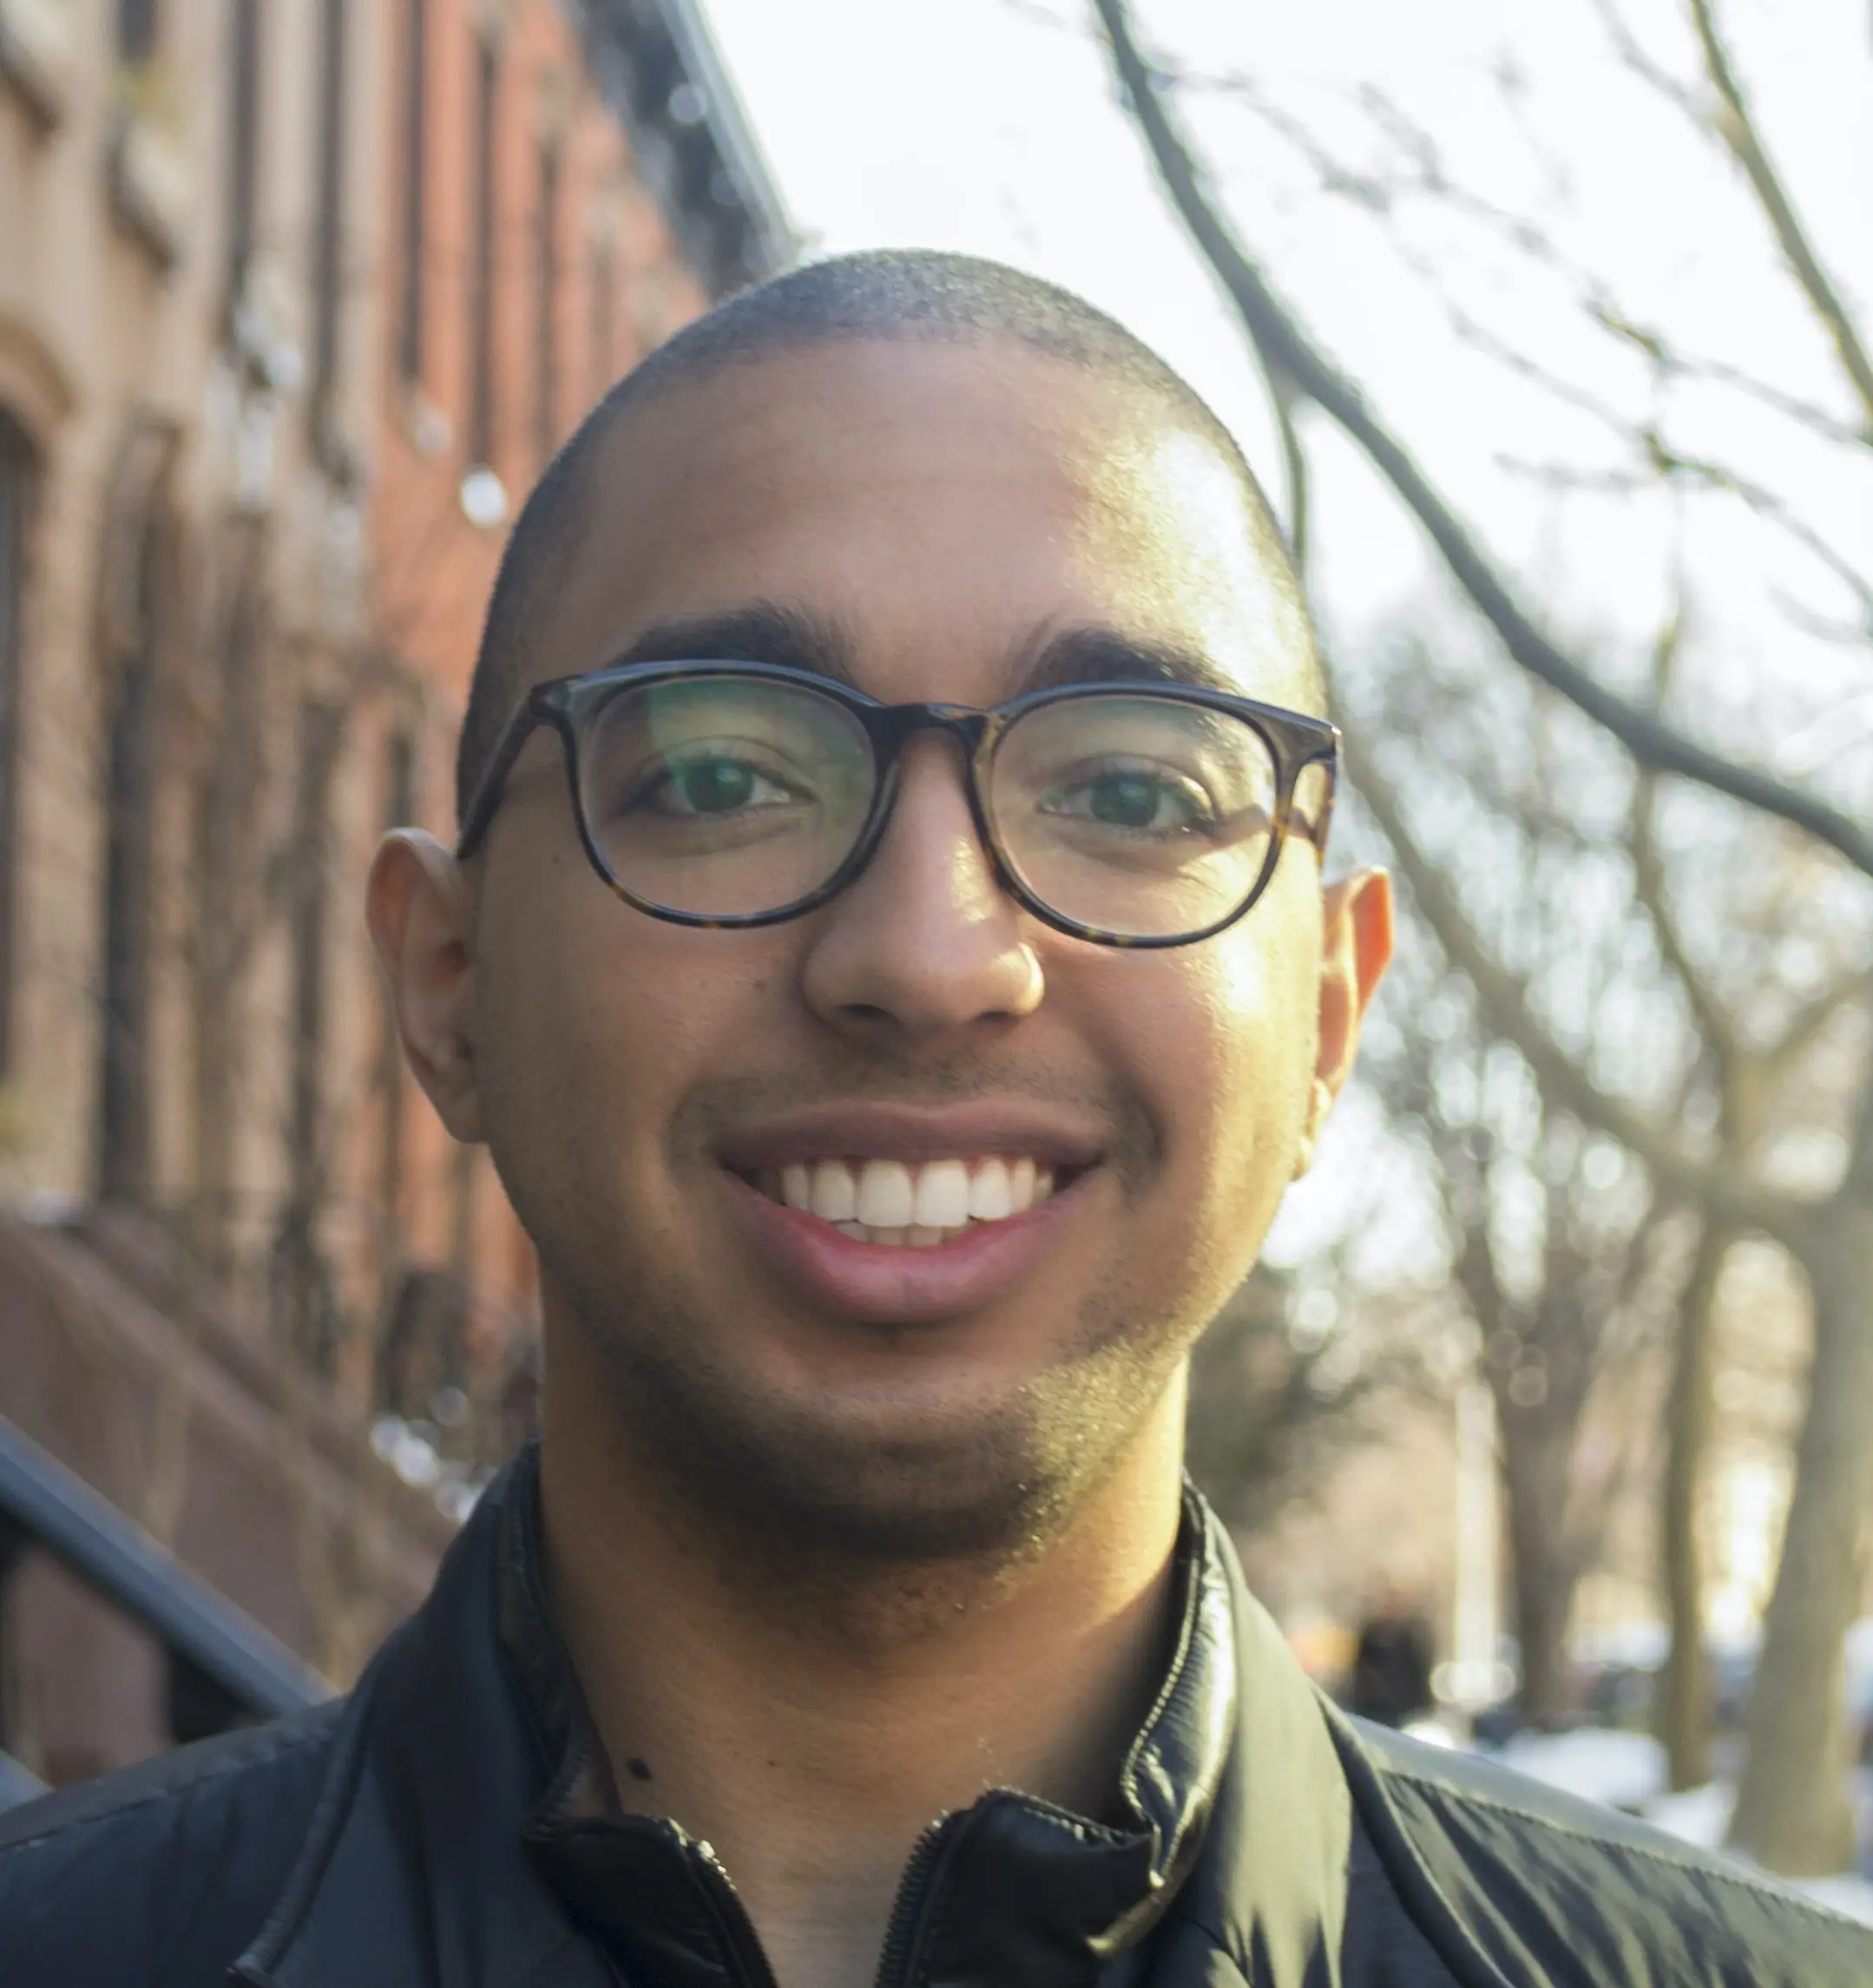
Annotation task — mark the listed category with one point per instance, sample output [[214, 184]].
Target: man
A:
[[888, 957], [1391, 1669]]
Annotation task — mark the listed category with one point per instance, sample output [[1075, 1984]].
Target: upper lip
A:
[[914, 1134]]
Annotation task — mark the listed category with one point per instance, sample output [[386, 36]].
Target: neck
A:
[[858, 1703]]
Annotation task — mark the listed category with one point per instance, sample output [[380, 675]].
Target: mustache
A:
[[716, 1109]]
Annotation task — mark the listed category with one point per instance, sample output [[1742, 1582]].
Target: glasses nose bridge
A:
[[964, 723], [970, 727]]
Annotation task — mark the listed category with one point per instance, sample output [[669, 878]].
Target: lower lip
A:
[[887, 1284]]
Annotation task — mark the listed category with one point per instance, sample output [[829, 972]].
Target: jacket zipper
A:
[[903, 1942], [902, 1947], [739, 1937]]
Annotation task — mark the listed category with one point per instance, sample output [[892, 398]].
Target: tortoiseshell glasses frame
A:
[[1296, 744]]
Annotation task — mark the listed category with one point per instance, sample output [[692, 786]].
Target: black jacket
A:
[[437, 1830]]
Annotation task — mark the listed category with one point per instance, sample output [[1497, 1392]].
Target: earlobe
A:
[[417, 906], [1319, 1103], [1356, 946]]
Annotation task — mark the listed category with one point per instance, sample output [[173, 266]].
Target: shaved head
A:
[[928, 482], [883, 295]]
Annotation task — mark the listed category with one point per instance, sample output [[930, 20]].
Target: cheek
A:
[[1218, 1042], [594, 1021], [1263, 988]]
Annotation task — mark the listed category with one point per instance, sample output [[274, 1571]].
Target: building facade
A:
[[296, 298], [564, 190]]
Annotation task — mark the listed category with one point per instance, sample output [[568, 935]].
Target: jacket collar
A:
[[412, 1874], [458, 1840], [1270, 1890], [1011, 1889]]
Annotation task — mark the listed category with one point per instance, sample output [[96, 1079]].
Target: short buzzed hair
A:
[[885, 294]]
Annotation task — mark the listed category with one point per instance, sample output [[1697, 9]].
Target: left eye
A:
[[1132, 798]]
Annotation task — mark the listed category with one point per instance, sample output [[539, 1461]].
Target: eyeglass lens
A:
[[726, 796], [1136, 815]]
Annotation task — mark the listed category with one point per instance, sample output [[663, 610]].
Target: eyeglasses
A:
[[723, 794]]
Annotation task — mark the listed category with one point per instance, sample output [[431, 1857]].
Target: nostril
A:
[[866, 1011]]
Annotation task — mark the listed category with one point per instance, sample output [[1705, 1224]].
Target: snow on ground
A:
[[1624, 1771], [1699, 1815], [1627, 1771], [1852, 1898]]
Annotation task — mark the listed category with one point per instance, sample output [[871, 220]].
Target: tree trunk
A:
[[1684, 1695], [1792, 1813], [1543, 1569]]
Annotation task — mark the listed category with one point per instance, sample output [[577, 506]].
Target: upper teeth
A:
[[882, 1196]]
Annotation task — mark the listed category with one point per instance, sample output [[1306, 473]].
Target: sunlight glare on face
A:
[[1169, 520]]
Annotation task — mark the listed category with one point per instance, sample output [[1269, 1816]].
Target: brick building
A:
[[561, 197], [296, 297]]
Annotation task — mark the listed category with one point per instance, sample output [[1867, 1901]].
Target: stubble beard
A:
[[839, 1508], [837, 1504]]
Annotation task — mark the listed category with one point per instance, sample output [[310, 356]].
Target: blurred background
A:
[[1547, 1422]]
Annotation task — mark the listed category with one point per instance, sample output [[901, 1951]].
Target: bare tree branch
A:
[[1735, 128], [1294, 457], [1670, 462], [1670, 360], [1474, 332], [1734, 125], [1818, 627], [1807, 1023], [1504, 1001], [1663, 463], [1427, 179], [1280, 340], [1717, 1027], [1641, 64]]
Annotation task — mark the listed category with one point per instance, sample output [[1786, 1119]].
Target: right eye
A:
[[708, 784]]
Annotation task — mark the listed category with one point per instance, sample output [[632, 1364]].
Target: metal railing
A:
[[45, 1504]]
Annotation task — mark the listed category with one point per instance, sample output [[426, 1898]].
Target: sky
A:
[[993, 126], [963, 124]]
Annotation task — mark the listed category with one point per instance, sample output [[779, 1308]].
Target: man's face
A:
[[645, 1087]]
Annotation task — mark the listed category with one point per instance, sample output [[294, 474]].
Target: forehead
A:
[[947, 505]]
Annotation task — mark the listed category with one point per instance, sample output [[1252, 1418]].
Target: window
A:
[[415, 187], [243, 148], [129, 881], [139, 601], [545, 333], [305, 1295], [136, 30], [229, 888], [329, 237], [604, 302], [399, 811], [18, 481], [481, 411]]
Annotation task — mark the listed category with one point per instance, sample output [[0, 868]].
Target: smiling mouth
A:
[[899, 1205]]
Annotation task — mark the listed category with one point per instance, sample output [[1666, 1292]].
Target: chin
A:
[[858, 1479], [969, 1468]]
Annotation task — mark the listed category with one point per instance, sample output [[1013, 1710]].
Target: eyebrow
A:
[[758, 632], [1097, 654], [767, 632]]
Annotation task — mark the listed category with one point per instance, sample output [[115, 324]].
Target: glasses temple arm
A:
[[1314, 828], [480, 809]]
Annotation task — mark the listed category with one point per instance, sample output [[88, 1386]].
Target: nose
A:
[[926, 943]]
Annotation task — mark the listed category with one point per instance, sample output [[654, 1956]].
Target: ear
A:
[[419, 910], [1356, 944]]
